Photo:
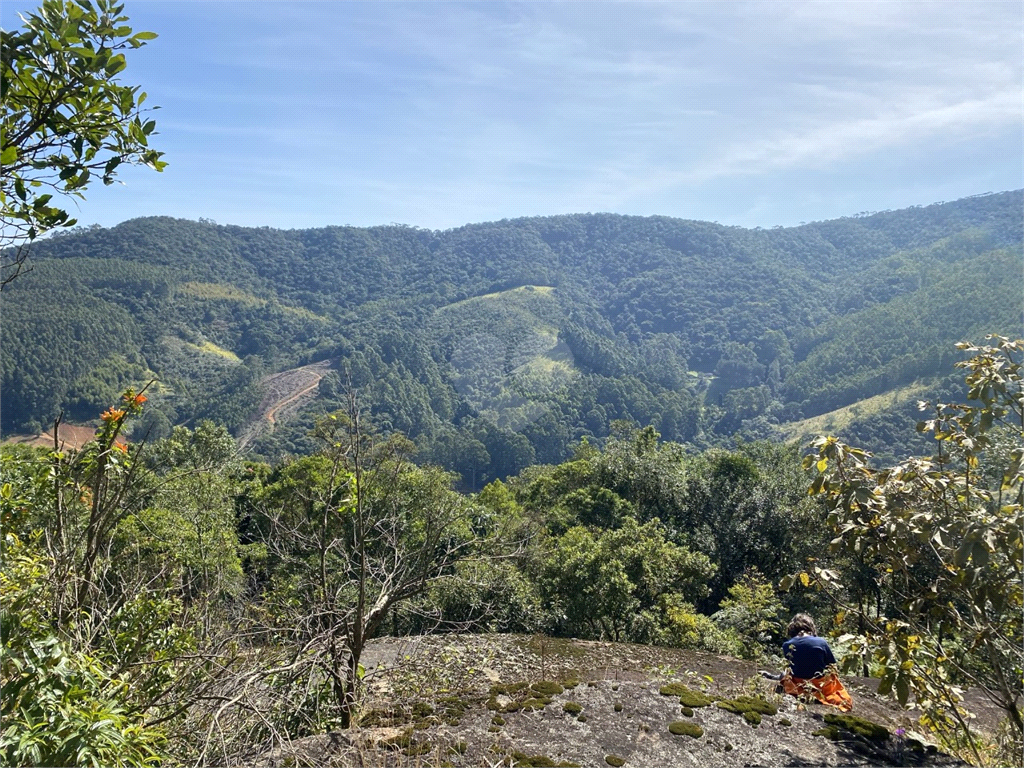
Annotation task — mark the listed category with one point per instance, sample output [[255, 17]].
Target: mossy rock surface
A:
[[687, 712], [743, 704], [508, 689], [785, 721], [615, 761], [581, 719], [422, 709], [572, 708], [452, 708], [680, 728], [497, 720], [547, 688], [401, 741], [528, 705], [376, 718], [673, 689], [858, 726], [687, 696], [752, 717], [418, 748], [830, 732], [524, 760]]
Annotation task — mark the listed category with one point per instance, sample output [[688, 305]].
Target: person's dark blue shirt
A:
[[808, 655]]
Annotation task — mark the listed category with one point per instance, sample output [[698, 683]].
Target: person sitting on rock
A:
[[812, 665]]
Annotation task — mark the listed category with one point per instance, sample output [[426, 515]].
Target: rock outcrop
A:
[[486, 700]]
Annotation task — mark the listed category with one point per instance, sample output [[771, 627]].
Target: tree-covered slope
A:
[[496, 345]]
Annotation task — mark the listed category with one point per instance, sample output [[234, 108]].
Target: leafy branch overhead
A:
[[67, 119]]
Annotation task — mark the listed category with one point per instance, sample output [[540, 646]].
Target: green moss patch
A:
[[497, 720], [743, 704], [458, 748], [618, 707], [752, 717], [687, 712], [451, 708], [418, 748], [680, 728], [547, 688], [528, 705], [572, 708], [785, 721], [405, 744], [829, 732], [687, 696], [401, 741], [858, 726], [581, 719], [615, 761], [384, 717]]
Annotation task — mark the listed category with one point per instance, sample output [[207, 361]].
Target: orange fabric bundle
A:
[[828, 689]]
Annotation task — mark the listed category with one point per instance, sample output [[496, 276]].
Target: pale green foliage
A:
[[752, 611], [946, 535], [66, 116], [681, 626]]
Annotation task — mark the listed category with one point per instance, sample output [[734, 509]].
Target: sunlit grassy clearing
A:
[[833, 421], [225, 292], [212, 349]]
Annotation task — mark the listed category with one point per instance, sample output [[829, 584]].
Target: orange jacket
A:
[[828, 689]]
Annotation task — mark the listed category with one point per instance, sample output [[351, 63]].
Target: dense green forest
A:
[[497, 346], [178, 604]]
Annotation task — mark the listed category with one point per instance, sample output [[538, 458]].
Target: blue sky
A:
[[307, 114]]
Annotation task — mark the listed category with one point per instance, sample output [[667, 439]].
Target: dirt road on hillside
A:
[[284, 392]]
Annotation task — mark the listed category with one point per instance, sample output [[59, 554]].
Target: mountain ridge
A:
[[705, 330]]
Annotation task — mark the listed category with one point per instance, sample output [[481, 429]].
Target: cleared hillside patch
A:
[[840, 418]]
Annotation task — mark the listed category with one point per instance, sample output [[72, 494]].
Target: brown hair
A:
[[802, 622]]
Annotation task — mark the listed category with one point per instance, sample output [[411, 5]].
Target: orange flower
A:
[[132, 399], [121, 447], [112, 414]]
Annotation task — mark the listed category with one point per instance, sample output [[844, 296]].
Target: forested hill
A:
[[499, 345]]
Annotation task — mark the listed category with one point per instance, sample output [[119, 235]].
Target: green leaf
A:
[[902, 690]]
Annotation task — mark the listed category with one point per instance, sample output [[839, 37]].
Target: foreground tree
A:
[[66, 117], [945, 536], [351, 534], [102, 656]]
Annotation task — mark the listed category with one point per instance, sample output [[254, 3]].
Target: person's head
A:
[[802, 623]]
